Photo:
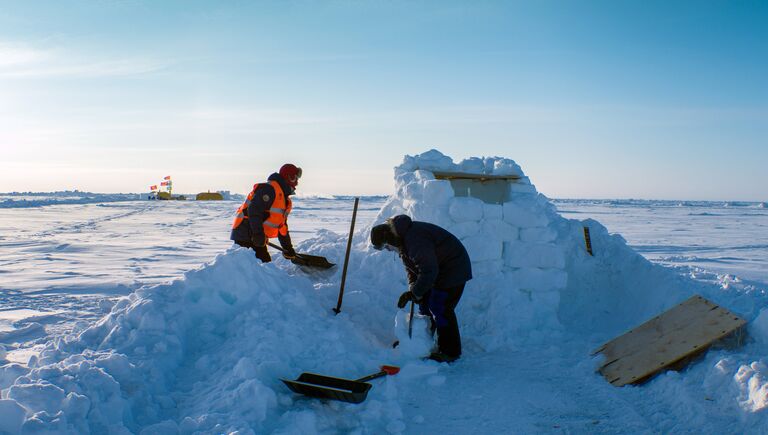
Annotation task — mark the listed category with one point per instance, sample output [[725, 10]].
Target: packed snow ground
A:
[[205, 352], [730, 238], [63, 266]]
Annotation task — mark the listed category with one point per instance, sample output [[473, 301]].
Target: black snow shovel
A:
[[327, 387], [306, 259]]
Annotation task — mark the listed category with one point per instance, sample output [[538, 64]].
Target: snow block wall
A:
[[532, 273]]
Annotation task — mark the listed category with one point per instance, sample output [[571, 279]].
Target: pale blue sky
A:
[[619, 99]]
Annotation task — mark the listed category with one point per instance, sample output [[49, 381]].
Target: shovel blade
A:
[[327, 387], [306, 259], [312, 261]]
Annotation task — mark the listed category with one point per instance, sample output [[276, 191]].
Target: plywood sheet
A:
[[664, 341], [492, 189]]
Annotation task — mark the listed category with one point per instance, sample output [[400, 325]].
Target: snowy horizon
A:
[[190, 195]]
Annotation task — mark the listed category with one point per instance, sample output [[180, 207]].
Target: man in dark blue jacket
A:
[[438, 268]]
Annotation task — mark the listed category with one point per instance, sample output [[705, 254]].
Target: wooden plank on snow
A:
[[666, 340]]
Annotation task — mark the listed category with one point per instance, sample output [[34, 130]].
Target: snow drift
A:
[[205, 353]]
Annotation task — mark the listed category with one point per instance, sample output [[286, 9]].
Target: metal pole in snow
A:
[[337, 310], [588, 241], [410, 321]]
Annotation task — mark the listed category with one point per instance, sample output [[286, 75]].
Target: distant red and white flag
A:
[[164, 183], [167, 177], [153, 187]]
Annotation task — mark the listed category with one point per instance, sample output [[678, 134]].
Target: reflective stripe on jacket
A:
[[276, 223], [240, 215]]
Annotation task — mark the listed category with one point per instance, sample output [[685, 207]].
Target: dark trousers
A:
[[261, 253], [440, 305]]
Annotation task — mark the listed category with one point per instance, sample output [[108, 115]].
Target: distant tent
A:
[[209, 196]]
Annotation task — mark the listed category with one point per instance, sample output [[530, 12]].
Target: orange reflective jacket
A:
[[278, 213]]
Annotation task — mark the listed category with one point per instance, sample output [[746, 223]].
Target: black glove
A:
[[404, 299], [262, 254], [289, 253]]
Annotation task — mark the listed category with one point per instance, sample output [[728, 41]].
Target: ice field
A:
[[138, 316]]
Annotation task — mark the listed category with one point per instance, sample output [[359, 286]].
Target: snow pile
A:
[[202, 354], [206, 352]]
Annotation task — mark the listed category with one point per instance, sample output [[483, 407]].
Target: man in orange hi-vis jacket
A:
[[264, 214]]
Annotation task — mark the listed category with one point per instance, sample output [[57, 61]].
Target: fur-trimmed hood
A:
[[400, 225]]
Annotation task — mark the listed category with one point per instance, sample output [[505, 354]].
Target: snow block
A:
[[76, 407], [11, 416], [404, 177], [432, 160], [464, 229], [503, 166], [9, 373], [472, 165], [499, 230], [524, 217], [493, 211], [487, 268], [437, 192], [465, 209], [545, 305], [422, 175], [537, 279], [437, 215], [523, 254], [751, 380], [39, 396], [414, 191], [538, 234], [480, 248], [547, 298]]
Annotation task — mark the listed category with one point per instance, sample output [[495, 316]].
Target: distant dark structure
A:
[[209, 196], [165, 196]]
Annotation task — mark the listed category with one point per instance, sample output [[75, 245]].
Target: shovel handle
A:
[[372, 377], [410, 321], [281, 249], [278, 248], [385, 370]]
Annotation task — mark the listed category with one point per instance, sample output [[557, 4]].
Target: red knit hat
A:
[[291, 174]]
